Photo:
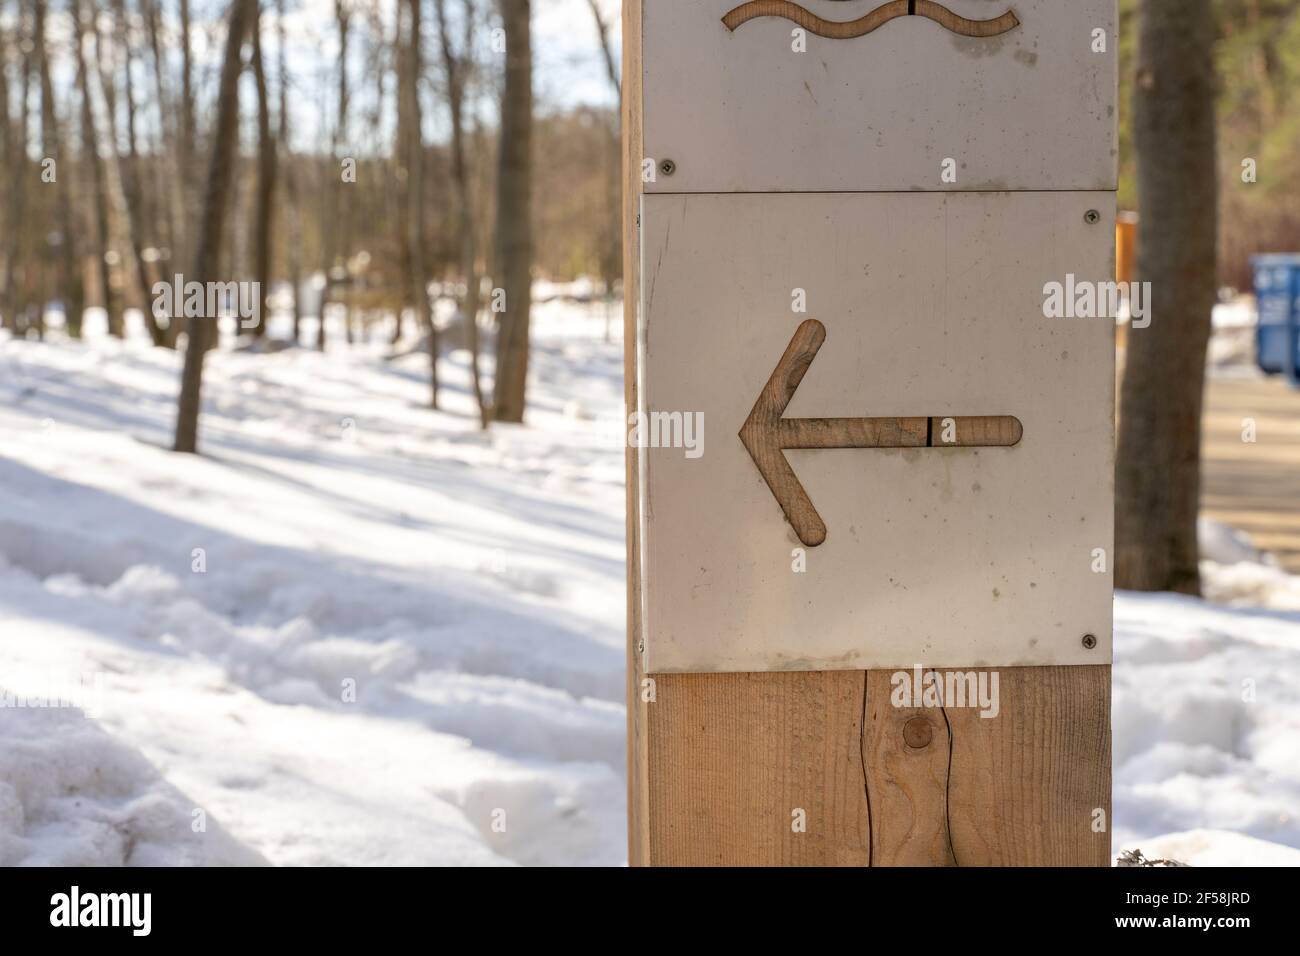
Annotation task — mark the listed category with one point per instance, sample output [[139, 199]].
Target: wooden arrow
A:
[[850, 29], [766, 434]]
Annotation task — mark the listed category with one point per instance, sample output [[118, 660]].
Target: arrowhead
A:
[[761, 433]]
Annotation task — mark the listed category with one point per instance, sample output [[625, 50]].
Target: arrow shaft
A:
[[940, 431], [853, 432]]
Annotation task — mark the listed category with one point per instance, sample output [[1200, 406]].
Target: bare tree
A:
[[188, 128], [90, 147], [169, 125], [334, 199], [16, 165], [124, 174], [69, 272], [514, 242], [611, 254], [1158, 468], [290, 177], [602, 33], [215, 200], [456, 68], [417, 267], [266, 163]]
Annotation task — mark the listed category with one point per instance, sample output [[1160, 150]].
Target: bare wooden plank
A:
[[905, 751], [757, 770], [1027, 785], [731, 756], [638, 787]]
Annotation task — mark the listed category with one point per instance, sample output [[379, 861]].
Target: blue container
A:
[[1277, 294]]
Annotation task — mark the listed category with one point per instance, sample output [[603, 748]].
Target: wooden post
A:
[[764, 719]]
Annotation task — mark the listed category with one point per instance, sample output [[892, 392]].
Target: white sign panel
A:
[[866, 444], [776, 96]]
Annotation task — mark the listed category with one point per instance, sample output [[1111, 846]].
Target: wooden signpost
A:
[[841, 217]]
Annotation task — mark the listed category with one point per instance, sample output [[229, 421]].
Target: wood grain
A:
[[767, 435], [851, 29], [963, 26], [975, 431], [731, 755], [1027, 783], [734, 756], [906, 751], [638, 784], [830, 29]]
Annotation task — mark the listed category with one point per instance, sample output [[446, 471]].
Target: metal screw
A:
[[1089, 641], [917, 733], [1092, 217], [667, 167]]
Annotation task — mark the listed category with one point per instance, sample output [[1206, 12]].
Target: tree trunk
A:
[[290, 177], [70, 281], [1158, 467], [417, 269], [90, 146], [125, 173], [265, 182], [220, 171], [464, 225], [16, 167], [611, 254], [175, 186], [514, 200]]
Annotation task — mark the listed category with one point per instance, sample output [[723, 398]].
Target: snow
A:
[[469, 587], [358, 631], [1206, 721]]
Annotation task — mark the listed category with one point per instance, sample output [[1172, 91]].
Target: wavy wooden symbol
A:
[[767, 433], [848, 29]]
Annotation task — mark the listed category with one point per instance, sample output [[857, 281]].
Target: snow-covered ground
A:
[[405, 642], [359, 631]]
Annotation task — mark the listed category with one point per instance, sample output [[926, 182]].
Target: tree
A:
[[290, 178], [417, 267], [90, 147], [514, 227], [175, 226], [611, 253], [69, 273], [215, 200], [124, 174], [266, 163], [1158, 467], [16, 164], [455, 68]]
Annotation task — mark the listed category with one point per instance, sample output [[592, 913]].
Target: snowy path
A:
[[469, 587]]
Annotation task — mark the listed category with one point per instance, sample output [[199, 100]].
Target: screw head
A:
[[667, 167], [917, 733], [1089, 641], [1092, 217]]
